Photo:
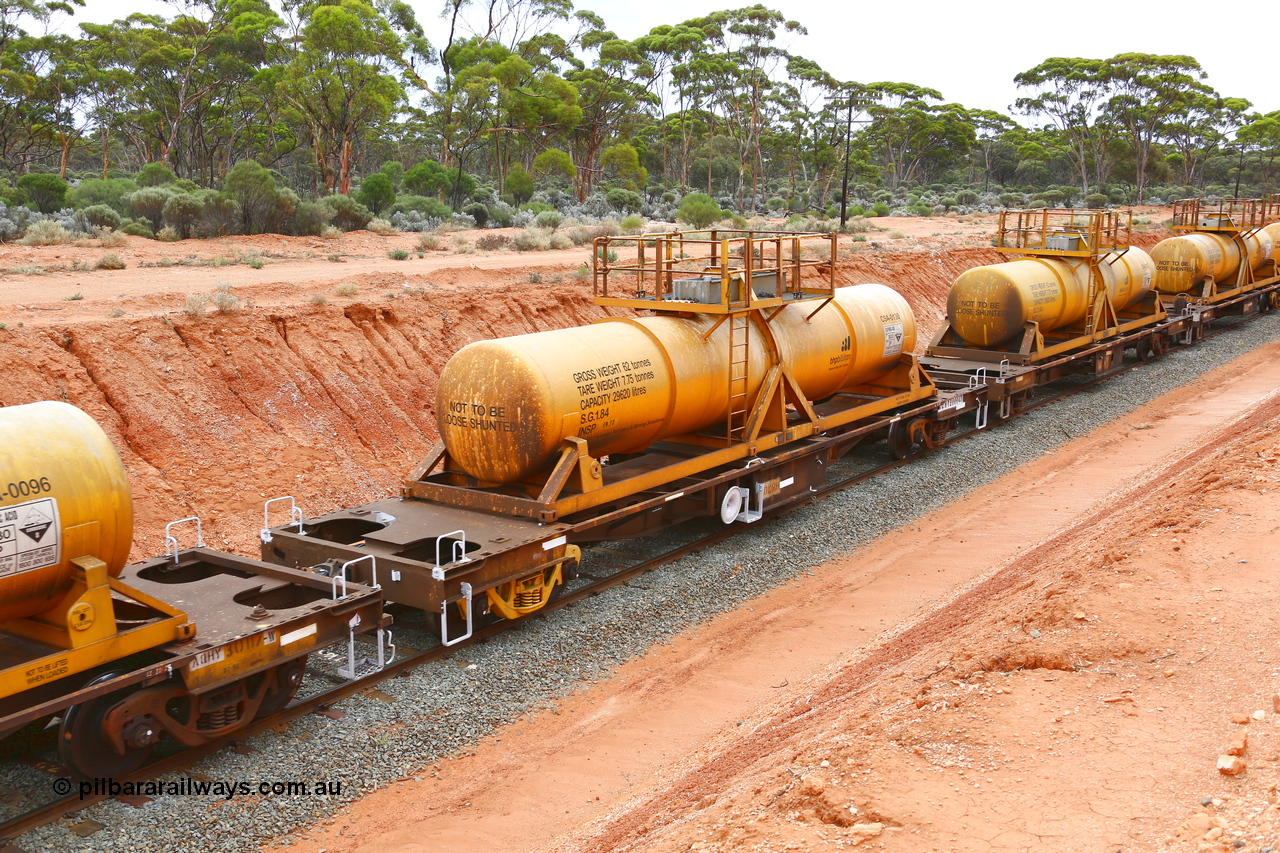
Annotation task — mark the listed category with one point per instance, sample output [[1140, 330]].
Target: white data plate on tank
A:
[[892, 339], [30, 536]]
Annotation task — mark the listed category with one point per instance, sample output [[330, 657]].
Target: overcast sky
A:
[[969, 51]]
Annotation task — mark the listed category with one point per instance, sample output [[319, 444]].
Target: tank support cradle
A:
[[81, 627]]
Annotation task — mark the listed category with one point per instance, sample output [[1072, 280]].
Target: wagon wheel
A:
[[899, 440], [84, 746], [286, 679]]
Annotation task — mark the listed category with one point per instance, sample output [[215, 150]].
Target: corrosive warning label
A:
[[892, 339], [29, 536]]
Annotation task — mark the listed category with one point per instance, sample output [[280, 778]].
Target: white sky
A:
[[969, 51]]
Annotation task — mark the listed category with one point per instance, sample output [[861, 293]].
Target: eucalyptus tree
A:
[[1261, 137], [614, 91], [1071, 93], [185, 81], [993, 132], [37, 100], [341, 82], [912, 134], [1147, 93], [1200, 129]]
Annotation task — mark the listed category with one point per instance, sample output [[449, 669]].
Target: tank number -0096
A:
[[27, 488]]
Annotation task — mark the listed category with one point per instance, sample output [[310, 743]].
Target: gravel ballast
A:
[[445, 707]]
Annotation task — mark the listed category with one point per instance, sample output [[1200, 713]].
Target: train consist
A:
[[738, 374]]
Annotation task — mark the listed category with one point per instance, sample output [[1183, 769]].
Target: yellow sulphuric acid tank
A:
[[1273, 231], [64, 494], [991, 304], [504, 407], [1185, 261]]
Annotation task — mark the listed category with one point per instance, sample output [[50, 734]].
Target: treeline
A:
[[236, 115]]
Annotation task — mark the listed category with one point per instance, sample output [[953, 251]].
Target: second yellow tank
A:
[[992, 304], [1185, 261]]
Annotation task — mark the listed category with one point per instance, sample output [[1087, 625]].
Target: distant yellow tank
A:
[[504, 407], [991, 304], [64, 494], [1185, 261]]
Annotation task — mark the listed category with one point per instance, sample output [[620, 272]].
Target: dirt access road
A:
[[1065, 680]]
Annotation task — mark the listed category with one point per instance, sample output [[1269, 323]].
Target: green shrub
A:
[[947, 203], [137, 229], [623, 199], [632, 224], [12, 196], [1012, 200], [154, 175], [699, 210], [425, 205], [478, 212], [181, 213], [880, 209], [376, 193], [252, 186], [100, 215], [346, 213], [500, 215], [398, 255], [394, 170], [1096, 200], [312, 217], [967, 197], [219, 215], [47, 192], [775, 204], [519, 183], [148, 203], [111, 192]]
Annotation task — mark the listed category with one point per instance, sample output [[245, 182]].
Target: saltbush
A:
[[46, 232], [100, 215]]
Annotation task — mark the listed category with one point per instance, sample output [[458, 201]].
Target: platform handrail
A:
[[295, 516], [171, 542], [459, 552]]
